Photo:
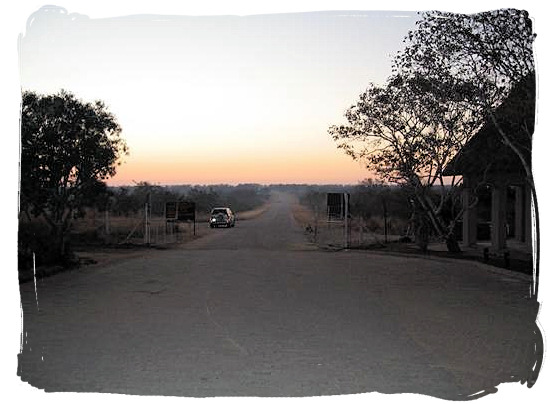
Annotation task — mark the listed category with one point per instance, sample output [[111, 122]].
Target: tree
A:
[[204, 197], [491, 54], [407, 136], [454, 73], [67, 147]]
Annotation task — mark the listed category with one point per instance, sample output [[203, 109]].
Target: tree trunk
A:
[[59, 241], [433, 220], [452, 244], [421, 230], [61, 251]]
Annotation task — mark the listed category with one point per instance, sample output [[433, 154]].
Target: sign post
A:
[[182, 211], [338, 210], [171, 210], [186, 212], [346, 219], [147, 232]]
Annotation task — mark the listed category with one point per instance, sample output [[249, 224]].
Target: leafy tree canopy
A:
[[67, 147], [453, 74], [491, 50], [484, 59]]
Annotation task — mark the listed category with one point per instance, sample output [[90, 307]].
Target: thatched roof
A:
[[487, 148]]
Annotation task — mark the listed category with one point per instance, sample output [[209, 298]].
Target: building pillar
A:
[[469, 217], [498, 217], [519, 215], [528, 226]]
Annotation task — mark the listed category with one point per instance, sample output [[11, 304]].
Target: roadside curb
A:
[[490, 268]]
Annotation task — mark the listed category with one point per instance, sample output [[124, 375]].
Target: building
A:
[[495, 159]]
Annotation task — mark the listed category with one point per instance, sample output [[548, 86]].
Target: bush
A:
[[34, 243]]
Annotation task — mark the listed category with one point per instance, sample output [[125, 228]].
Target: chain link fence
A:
[[146, 226]]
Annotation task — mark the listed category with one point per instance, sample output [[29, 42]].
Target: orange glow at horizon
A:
[[262, 169]]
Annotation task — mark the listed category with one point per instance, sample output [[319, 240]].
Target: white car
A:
[[222, 217]]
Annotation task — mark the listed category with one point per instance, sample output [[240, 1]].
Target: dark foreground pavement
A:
[[256, 311]]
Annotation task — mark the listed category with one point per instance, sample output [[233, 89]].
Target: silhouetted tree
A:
[[205, 198], [124, 202], [369, 197], [490, 54], [454, 73], [408, 137], [67, 147]]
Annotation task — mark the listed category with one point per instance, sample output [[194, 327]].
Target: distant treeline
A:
[[128, 200], [372, 201], [368, 199]]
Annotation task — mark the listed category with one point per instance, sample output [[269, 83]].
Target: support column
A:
[[527, 212], [519, 214], [469, 217], [498, 217]]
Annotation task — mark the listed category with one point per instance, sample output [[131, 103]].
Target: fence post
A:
[[145, 228], [361, 224], [147, 235], [385, 211], [346, 220], [107, 224]]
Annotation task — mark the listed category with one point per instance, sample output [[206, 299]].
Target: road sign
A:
[[186, 211], [338, 210], [171, 210], [180, 211], [337, 206]]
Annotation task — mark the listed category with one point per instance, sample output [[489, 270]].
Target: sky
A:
[[218, 99], [133, 97]]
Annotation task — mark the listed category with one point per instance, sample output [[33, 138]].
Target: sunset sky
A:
[[205, 98], [218, 99]]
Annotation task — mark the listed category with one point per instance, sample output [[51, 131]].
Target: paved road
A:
[[256, 311]]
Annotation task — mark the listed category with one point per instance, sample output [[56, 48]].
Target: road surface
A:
[[256, 311]]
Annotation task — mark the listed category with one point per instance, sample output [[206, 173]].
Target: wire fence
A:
[[360, 232], [146, 226], [149, 226]]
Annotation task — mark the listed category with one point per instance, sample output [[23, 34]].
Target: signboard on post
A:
[[337, 206], [182, 211], [338, 210], [171, 210], [186, 211]]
